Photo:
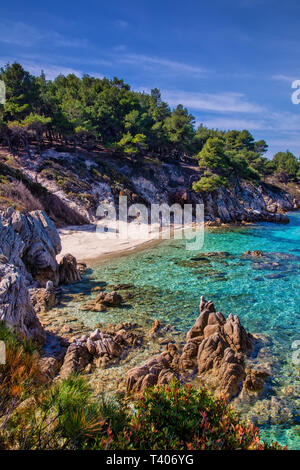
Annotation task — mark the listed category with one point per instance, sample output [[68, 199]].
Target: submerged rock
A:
[[255, 379], [111, 299]]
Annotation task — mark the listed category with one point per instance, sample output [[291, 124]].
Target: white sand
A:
[[87, 245]]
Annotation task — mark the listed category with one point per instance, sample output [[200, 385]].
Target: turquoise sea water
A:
[[264, 293]]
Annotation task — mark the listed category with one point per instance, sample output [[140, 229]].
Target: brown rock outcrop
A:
[[255, 379], [98, 348], [158, 370], [110, 299], [215, 349], [76, 359], [43, 299], [68, 270]]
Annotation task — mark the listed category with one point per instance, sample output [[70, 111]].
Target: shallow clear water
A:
[[266, 297]]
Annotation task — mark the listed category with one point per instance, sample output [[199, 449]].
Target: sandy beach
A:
[[89, 246]]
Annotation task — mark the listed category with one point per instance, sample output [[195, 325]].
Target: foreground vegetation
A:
[[65, 415], [87, 112]]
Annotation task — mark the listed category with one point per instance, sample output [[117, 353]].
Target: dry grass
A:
[[21, 196]]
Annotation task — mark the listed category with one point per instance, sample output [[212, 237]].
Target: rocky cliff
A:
[[82, 181], [29, 244]]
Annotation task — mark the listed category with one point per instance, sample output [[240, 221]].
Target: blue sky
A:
[[231, 62]]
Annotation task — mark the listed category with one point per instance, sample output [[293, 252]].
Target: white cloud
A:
[[18, 33], [121, 24], [217, 102], [21, 34], [285, 78], [158, 62], [279, 122], [60, 40], [225, 123], [51, 70]]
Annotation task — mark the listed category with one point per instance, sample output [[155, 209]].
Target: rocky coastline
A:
[[216, 349], [82, 181]]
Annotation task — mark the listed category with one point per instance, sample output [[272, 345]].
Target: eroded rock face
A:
[[245, 202], [29, 244], [68, 270], [215, 349], [16, 311]]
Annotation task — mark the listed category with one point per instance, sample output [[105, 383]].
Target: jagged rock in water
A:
[[110, 299], [68, 270], [156, 371], [215, 349], [76, 359]]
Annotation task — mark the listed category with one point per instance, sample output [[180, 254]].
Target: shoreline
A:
[[86, 245]]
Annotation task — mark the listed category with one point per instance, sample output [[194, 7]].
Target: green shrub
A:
[[20, 373], [181, 417], [209, 183], [65, 415]]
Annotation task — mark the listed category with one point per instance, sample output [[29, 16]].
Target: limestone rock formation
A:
[[29, 244], [16, 311]]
